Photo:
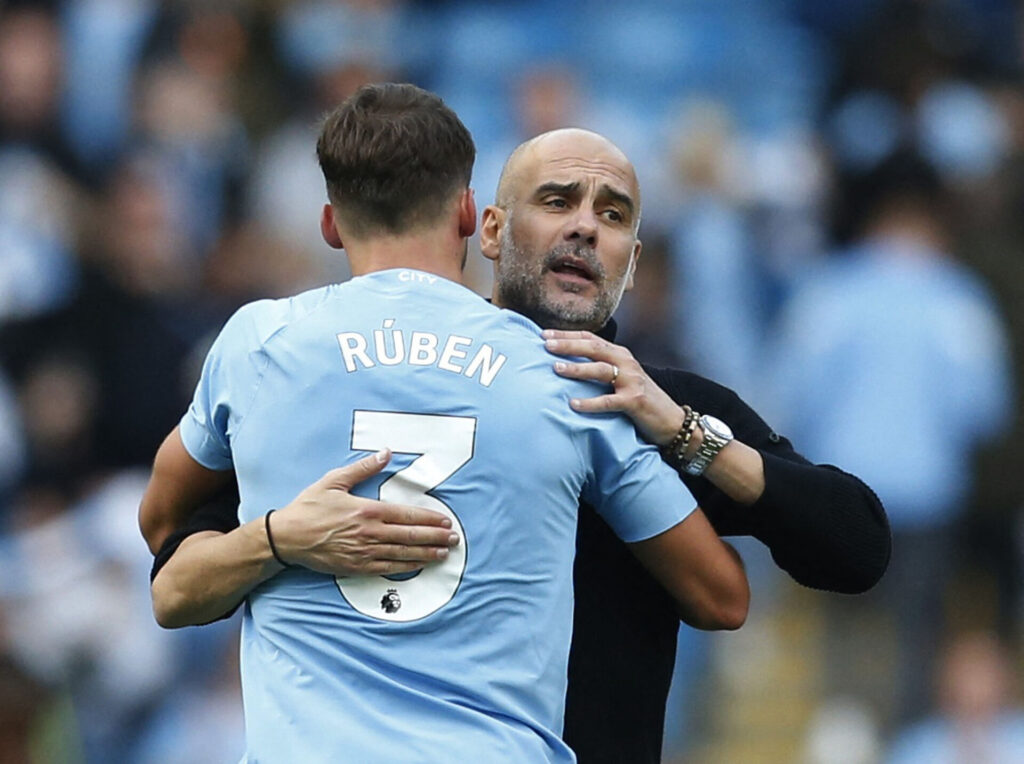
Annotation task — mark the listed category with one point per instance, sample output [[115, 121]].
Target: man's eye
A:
[[557, 202], [613, 215]]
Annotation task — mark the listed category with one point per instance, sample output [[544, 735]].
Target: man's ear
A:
[[328, 230], [634, 256], [467, 214], [491, 225]]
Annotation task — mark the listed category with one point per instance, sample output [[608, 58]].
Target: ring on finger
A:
[[615, 374]]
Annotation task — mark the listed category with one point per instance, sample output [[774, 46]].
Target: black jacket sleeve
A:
[[823, 526], [220, 514]]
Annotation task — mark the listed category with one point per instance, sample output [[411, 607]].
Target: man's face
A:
[[567, 246]]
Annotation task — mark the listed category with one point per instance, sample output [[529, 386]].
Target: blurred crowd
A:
[[832, 198]]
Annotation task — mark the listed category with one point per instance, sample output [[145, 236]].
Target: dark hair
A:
[[393, 155]]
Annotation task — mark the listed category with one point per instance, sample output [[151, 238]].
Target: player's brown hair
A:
[[393, 156]]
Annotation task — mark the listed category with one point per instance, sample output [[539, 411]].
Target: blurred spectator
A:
[[185, 123], [892, 359], [31, 81], [286, 183], [978, 717], [75, 603], [842, 731], [58, 397], [645, 318], [22, 701], [37, 228], [319, 35], [37, 168], [12, 442], [715, 270], [202, 722], [131, 325], [104, 41], [746, 220]]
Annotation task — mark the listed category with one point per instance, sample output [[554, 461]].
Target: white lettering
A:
[[353, 347], [381, 345], [451, 352], [417, 277], [391, 346], [485, 362], [423, 349]]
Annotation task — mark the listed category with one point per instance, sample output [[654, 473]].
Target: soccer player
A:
[[466, 658]]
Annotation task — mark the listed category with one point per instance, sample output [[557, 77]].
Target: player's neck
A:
[[434, 251]]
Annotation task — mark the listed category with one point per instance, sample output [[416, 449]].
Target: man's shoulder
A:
[[687, 383], [258, 321]]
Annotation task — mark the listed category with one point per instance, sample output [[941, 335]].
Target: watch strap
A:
[[710, 446]]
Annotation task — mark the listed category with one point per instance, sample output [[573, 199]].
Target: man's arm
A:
[[325, 528], [209, 575], [177, 485], [824, 527], [703, 575]]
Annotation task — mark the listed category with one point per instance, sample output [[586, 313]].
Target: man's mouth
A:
[[572, 268]]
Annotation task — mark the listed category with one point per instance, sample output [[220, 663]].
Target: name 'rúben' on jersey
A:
[[393, 346]]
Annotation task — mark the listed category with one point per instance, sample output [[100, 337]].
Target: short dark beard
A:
[[520, 287]]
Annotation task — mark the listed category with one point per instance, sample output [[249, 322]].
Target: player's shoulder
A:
[[260, 320]]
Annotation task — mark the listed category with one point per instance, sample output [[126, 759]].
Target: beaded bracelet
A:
[[676, 448]]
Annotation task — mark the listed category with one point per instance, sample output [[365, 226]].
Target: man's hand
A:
[[324, 528], [327, 529], [656, 416]]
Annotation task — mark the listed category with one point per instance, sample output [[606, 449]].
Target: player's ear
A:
[[491, 225], [328, 230], [467, 214], [633, 258]]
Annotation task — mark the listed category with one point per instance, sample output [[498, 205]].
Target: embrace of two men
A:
[[424, 593]]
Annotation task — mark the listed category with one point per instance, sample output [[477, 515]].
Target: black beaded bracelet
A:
[[270, 539], [676, 448]]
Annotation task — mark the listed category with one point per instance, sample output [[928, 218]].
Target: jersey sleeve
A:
[[228, 383], [636, 493]]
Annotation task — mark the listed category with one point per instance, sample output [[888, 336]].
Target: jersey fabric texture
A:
[[467, 659]]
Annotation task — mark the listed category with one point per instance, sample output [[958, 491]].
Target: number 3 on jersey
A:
[[444, 443]]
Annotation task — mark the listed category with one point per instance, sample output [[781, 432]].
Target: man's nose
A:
[[582, 228]]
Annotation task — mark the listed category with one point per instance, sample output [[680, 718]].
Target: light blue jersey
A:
[[465, 661]]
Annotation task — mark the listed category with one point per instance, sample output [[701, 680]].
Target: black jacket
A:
[[824, 527]]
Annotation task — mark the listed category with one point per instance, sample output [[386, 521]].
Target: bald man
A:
[[563, 236]]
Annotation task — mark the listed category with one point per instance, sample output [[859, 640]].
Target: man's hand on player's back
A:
[[327, 529]]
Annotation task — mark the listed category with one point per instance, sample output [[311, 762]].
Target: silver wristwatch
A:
[[716, 437]]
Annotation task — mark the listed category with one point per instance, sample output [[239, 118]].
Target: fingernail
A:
[[446, 523], [383, 455], [453, 539], [574, 402], [550, 343], [547, 333], [442, 554], [559, 366]]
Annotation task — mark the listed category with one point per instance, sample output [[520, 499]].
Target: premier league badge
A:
[[390, 602]]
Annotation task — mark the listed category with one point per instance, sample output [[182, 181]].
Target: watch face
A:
[[716, 427]]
